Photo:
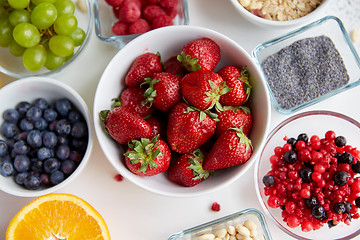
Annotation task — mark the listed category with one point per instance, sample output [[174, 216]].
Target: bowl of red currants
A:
[[307, 177], [45, 136], [117, 22], [40, 38]]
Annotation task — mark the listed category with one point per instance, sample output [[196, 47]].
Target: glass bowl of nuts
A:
[[42, 38], [308, 65], [247, 224], [278, 13], [307, 176], [119, 22]]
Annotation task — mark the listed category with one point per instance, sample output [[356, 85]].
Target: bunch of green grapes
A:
[[43, 32]]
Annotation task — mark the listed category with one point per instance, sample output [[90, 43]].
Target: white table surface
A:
[[134, 213]]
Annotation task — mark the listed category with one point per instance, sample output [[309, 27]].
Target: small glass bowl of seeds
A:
[[308, 65], [247, 224]]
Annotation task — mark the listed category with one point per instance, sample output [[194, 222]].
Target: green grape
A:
[[65, 24], [61, 45], [65, 7], [78, 36], [5, 33], [53, 61], [4, 14], [18, 16], [36, 2], [44, 15], [4, 3], [26, 35], [19, 4], [15, 49], [34, 58]]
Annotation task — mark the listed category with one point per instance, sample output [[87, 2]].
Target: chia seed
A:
[[305, 70]]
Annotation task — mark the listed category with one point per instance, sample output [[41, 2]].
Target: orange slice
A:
[[57, 216]]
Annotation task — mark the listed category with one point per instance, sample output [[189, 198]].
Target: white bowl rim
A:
[[55, 83]]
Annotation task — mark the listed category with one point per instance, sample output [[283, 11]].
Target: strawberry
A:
[[188, 128], [200, 54], [203, 89], [232, 148], [133, 98], [157, 127], [238, 81], [239, 116], [123, 124], [188, 170], [147, 157], [163, 92], [146, 65], [172, 65]]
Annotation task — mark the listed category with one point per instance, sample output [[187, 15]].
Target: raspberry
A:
[[162, 21], [118, 177], [114, 3], [139, 26], [120, 28], [215, 207], [152, 11], [169, 3], [129, 11]]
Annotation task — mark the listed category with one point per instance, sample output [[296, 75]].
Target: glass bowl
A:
[[29, 89], [105, 18], [13, 66], [275, 24], [330, 27], [311, 123], [222, 223], [112, 83]]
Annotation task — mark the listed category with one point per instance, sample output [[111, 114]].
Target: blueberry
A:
[[51, 165], [22, 107], [340, 178], [62, 140], [41, 103], [21, 163], [339, 208], [32, 182], [20, 147], [49, 139], [62, 152], [79, 144], [41, 124], [357, 202], [45, 179], [331, 224], [356, 167], [63, 127], [34, 139], [340, 141], [63, 106], [44, 153], [74, 116], [268, 180], [347, 207], [6, 169], [311, 202], [22, 136], [26, 125], [67, 167], [3, 148], [318, 211], [37, 165], [79, 130], [11, 115], [303, 137], [75, 156], [34, 114], [346, 157], [50, 115], [57, 177], [20, 177], [8, 129], [290, 157], [305, 174], [292, 142]]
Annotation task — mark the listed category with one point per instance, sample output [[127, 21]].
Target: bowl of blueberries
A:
[[45, 136]]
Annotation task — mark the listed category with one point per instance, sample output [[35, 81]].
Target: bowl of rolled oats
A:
[[280, 13]]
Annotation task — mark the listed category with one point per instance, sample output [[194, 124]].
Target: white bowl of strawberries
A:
[[183, 116]]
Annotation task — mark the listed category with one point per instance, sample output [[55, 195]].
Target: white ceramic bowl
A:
[[279, 24], [28, 89], [112, 83]]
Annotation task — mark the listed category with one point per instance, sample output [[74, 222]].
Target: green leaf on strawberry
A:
[[188, 63]]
